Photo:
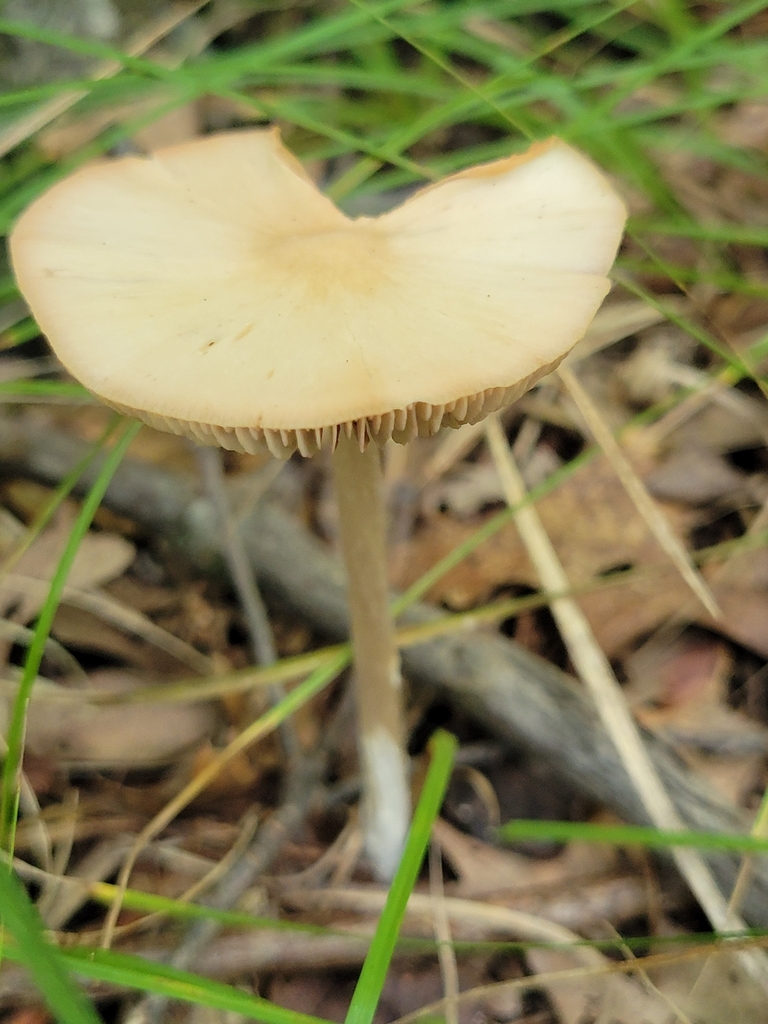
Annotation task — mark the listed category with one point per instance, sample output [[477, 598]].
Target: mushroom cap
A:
[[210, 289]]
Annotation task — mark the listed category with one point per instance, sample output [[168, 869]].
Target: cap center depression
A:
[[352, 258]]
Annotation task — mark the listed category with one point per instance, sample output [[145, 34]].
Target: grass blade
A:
[[134, 972], [43, 961], [629, 835], [371, 981]]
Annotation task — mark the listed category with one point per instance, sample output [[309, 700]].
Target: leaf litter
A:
[[696, 681]]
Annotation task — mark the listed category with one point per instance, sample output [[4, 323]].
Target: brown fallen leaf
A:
[[484, 869], [697, 476], [412, 986], [466, 492], [595, 529], [741, 588], [82, 631], [476, 485], [615, 321], [78, 735], [715, 991], [316, 994], [729, 422], [678, 686], [29, 1015], [617, 999], [100, 558], [744, 618]]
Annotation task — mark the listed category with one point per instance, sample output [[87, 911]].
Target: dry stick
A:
[[259, 630], [446, 954], [50, 893], [594, 669], [378, 684], [635, 488], [40, 841], [465, 917]]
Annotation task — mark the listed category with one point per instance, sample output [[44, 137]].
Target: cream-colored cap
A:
[[210, 289]]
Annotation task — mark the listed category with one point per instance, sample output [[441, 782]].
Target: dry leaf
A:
[[696, 476], [100, 558], [466, 492], [616, 998], [595, 530], [411, 987], [679, 687], [744, 618], [484, 869], [79, 735], [730, 422], [83, 631], [715, 991], [171, 129]]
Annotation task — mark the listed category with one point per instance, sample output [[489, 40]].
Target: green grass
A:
[[398, 93], [628, 835], [44, 962], [367, 992]]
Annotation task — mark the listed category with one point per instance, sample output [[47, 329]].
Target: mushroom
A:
[[211, 290]]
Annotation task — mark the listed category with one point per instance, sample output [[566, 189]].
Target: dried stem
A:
[[236, 556], [386, 794]]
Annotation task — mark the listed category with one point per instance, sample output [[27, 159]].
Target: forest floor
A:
[[141, 762]]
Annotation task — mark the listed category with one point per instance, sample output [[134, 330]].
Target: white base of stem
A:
[[387, 802]]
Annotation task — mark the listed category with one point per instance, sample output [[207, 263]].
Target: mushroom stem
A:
[[383, 760]]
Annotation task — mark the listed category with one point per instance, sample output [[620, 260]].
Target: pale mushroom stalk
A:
[[383, 760]]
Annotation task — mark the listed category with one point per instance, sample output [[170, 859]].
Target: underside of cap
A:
[[211, 290], [401, 425]]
